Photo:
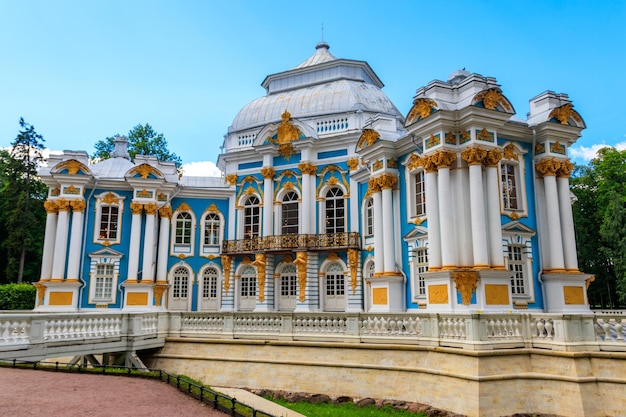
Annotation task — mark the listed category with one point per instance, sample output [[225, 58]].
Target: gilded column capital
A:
[[307, 168], [77, 205], [165, 211], [226, 268], [63, 204], [386, 181], [268, 172], [566, 169], [474, 155], [443, 159], [466, 283], [159, 289], [231, 179], [136, 208], [50, 206], [415, 162], [373, 186], [353, 163], [548, 167], [151, 208], [428, 164], [493, 158]]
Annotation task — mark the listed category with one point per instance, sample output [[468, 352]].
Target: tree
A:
[[142, 140], [23, 215], [600, 190]]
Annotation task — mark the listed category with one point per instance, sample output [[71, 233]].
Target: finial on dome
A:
[[322, 45]]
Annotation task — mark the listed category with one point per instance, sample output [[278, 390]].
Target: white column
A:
[[268, 200], [147, 275], [164, 243], [135, 242], [379, 246], [60, 241], [496, 254], [308, 197], [387, 182], [448, 255], [432, 211], [567, 219], [48, 243], [549, 168], [477, 213], [73, 262]]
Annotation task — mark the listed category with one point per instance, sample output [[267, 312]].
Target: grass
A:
[[343, 410]]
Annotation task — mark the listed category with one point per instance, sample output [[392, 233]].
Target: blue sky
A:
[[80, 71]]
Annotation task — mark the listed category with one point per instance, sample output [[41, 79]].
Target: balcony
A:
[[288, 243]]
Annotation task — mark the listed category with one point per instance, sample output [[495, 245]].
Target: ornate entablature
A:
[[422, 108], [566, 115], [492, 99]]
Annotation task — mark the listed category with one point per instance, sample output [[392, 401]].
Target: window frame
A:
[[294, 209], [178, 248], [111, 259], [336, 218], [217, 221], [110, 200], [514, 158]]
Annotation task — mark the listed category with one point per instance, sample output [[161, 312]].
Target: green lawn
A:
[[343, 410]]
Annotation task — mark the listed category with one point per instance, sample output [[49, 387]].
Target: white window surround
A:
[[321, 208], [278, 209], [111, 232], [337, 271], [209, 287], [412, 192], [179, 292], [111, 260], [519, 173], [213, 219], [516, 234], [178, 248], [368, 221], [417, 241], [249, 217], [338, 223]]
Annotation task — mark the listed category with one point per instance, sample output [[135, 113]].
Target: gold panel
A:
[[61, 298], [573, 295], [137, 299], [379, 296], [496, 294], [438, 294]]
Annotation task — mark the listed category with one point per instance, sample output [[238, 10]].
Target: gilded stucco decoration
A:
[[259, 262], [465, 136], [50, 206], [301, 262], [353, 163], [78, 205], [332, 256], [433, 140], [55, 192], [422, 108], [428, 162], [71, 190], [144, 194], [252, 188], [213, 208], [484, 135], [377, 165], [110, 198], [161, 197], [387, 181], [443, 159], [557, 148], [392, 163], [474, 155], [144, 170], [414, 162], [226, 266], [41, 291], [165, 212], [353, 261], [329, 177], [286, 134], [183, 207], [307, 168], [450, 139], [466, 283], [368, 138], [372, 187], [565, 170], [564, 113], [509, 152], [493, 158], [589, 280], [159, 289], [73, 167], [493, 99], [548, 167], [540, 148], [268, 172], [231, 179]]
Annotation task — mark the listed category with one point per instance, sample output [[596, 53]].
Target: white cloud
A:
[[201, 169], [587, 153]]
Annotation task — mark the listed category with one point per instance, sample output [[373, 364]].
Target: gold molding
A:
[[226, 267], [548, 167], [474, 155], [466, 283], [353, 261], [422, 108], [301, 262], [260, 263]]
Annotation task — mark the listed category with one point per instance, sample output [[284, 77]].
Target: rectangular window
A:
[[109, 217], [211, 230], [516, 265], [420, 195], [421, 266], [104, 282], [509, 187]]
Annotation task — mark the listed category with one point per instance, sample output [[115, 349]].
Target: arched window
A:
[[248, 282], [288, 281], [180, 283], [209, 283], [335, 287], [211, 230], [335, 211], [369, 218], [252, 217], [183, 229], [289, 223], [509, 186]]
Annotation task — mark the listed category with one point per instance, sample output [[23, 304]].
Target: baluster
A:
[[549, 329], [619, 327], [540, 328]]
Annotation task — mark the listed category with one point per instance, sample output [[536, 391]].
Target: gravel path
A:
[[25, 393]]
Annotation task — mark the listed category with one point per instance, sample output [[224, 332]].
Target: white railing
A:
[[77, 327]]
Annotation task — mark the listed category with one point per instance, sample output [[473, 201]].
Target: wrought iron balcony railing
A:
[[278, 243]]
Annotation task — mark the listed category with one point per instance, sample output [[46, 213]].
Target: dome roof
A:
[[321, 85]]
